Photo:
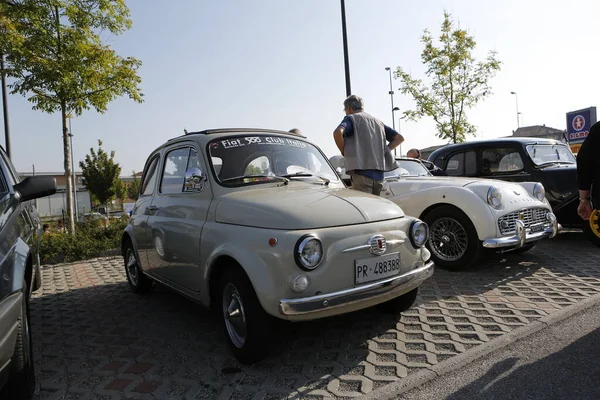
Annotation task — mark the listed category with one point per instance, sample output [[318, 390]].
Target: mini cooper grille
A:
[[532, 216]]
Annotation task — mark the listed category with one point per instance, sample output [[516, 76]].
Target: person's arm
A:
[[393, 136], [345, 129]]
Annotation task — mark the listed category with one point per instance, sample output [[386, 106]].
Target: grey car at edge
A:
[[20, 276]]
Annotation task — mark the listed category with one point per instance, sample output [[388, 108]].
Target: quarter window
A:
[[461, 164], [150, 178]]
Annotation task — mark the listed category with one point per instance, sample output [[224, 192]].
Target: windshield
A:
[[550, 153], [251, 159], [408, 168]]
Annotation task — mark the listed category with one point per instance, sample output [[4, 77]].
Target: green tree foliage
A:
[[120, 190], [101, 174], [56, 57], [133, 189], [458, 81]]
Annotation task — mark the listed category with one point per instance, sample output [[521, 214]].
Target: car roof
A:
[[482, 142]]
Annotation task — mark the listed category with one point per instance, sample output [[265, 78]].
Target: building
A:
[[541, 131], [53, 206]]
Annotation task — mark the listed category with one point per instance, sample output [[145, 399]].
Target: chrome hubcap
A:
[[234, 315], [448, 239], [132, 269]]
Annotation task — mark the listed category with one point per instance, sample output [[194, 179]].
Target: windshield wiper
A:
[[300, 174], [272, 177]]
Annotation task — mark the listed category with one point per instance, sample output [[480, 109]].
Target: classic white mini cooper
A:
[[257, 224], [467, 215]]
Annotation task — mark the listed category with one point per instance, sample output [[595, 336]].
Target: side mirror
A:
[[339, 171], [34, 187], [194, 180]]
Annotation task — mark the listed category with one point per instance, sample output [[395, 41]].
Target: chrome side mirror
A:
[[194, 180], [339, 171]]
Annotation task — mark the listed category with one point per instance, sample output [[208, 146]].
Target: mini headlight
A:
[[494, 197], [308, 252], [299, 283], [539, 192], [419, 233]]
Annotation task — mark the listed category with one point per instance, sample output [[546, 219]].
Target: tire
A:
[[248, 327], [399, 304], [591, 228], [138, 281], [21, 382], [453, 240]]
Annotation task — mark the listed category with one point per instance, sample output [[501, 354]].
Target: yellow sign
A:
[[575, 148]]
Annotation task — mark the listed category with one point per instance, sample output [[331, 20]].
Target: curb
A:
[[412, 381]]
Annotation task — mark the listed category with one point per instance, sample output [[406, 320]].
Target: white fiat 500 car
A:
[[467, 215], [257, 224]]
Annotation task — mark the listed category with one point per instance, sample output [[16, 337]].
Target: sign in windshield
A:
[[244, 159]]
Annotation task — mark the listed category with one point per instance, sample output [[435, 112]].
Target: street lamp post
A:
[[345, 40], [394, 109], [73, 174], [517, 103], [5, 97]]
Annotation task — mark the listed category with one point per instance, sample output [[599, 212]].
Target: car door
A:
[[179, 211], [503, 162], [139, 216]]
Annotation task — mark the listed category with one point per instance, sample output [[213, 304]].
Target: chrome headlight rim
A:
[[492, 194], [299, 248], [412, 233], [539, 191]]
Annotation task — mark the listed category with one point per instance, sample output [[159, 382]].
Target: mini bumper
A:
[[350, 298], [523, 236]]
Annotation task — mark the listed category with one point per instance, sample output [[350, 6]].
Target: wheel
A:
[[138, 281], [247, 325], [525, 248], [400, 303], [453, 240], [591, 228], [21, 382]]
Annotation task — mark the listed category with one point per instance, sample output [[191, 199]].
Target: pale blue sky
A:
[[279, 64]]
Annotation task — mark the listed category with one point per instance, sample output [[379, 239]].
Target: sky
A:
[[279, 64]]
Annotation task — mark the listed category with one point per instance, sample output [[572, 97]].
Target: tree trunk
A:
[[70, 225]]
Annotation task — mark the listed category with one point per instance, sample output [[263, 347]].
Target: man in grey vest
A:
[[362, 140]]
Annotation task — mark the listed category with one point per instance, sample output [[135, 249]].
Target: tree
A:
[[55, 54], [133, 189], [458, 81], [120, 190], [100, 174]]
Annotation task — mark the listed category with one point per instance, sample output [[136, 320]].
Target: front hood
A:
[[425, 182], [560, 182], [300, 206]]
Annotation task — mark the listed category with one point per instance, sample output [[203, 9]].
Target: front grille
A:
[[531, 216]]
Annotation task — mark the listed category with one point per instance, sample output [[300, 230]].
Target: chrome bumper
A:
[[522, 236], [346, 298]]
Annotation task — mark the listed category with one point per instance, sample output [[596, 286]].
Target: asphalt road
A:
[[559, 362]]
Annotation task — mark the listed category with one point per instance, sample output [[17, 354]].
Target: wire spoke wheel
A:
[[448, 239]]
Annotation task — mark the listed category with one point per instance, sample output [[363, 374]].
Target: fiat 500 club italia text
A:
[[257, 225], [467, 215]]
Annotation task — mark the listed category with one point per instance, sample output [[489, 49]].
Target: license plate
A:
[[536, 228], [376, 268]]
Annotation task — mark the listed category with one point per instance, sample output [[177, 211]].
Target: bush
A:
[[91, 239]]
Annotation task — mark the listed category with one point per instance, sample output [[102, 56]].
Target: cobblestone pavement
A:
[[95, 339]]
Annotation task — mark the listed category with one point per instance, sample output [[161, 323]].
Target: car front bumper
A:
[[325, 305], [522, 236]]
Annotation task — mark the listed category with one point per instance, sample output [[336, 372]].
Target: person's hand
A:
[[584, 210]]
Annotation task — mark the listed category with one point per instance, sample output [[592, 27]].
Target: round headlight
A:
[[419, 233], [494, 197], [539, 192], [309, 252]]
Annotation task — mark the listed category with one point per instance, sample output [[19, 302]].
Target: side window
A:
[[470, 163], [149, 178], [258, 166], [500, 160], [194, 161], [456, 165], [173, 176]]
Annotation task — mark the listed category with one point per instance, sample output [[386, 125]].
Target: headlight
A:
[[419, 233], [494, 197], [308, 252], [539, 192]]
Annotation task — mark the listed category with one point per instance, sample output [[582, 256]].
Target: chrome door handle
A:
[[152, 208]]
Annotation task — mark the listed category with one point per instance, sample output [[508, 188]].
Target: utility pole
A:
[[345, 40]]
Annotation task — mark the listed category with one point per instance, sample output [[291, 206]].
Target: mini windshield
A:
[[251, 159], [550, 153], [408, 168]]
